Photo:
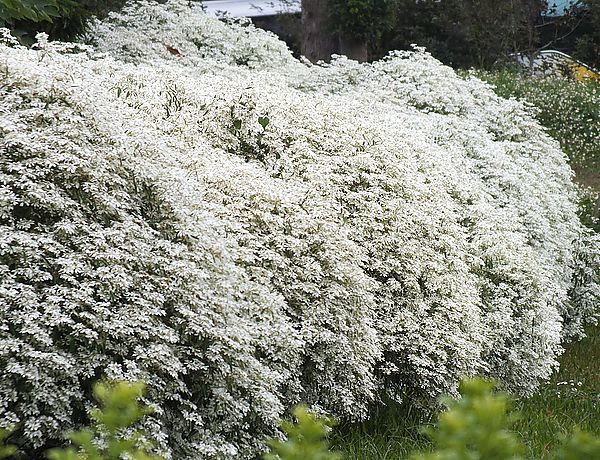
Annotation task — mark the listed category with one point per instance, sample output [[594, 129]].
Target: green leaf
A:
[[6, 451], [263, 121]]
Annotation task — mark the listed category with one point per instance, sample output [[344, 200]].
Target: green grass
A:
[[392, 433], [571, 398]]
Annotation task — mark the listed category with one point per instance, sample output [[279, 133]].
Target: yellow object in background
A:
[[583, 73], [553, 62]]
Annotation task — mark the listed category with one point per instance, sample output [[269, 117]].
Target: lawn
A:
[[571, 398]]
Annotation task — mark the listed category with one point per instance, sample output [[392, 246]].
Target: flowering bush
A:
[[567, 108], [185, 204]]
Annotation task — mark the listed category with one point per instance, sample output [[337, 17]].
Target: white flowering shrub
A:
[[100, 275], [141, 32], [186, 205], [567, 108], [585, 290]]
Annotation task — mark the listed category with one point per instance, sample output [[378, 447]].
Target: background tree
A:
[[319, 41], [349, 27], [464, 33], [587, 42], [361, 24]]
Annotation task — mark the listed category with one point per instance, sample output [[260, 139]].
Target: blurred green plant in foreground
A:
[[5, 451], [111, 436], [475, 427], [306, 439]]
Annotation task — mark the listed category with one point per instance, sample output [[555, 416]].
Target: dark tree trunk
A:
[[319, 41]]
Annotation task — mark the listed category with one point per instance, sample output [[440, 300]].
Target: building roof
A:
[[250, 8]]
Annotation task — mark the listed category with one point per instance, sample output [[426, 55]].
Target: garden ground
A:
[[571, 398]]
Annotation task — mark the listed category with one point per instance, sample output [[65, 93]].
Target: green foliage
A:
[[33, 10], [5, 450], [62, 19], [264, 122], [461, 33], [587, 41], [476, 426], [363, 19], [579, 446], [477, 33], [112, 436], [306, 439]]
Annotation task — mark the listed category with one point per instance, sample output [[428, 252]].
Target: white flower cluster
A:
[[568, 110], [244, 231]]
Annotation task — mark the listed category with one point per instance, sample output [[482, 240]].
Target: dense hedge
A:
[[569, 111], [187, 205]]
